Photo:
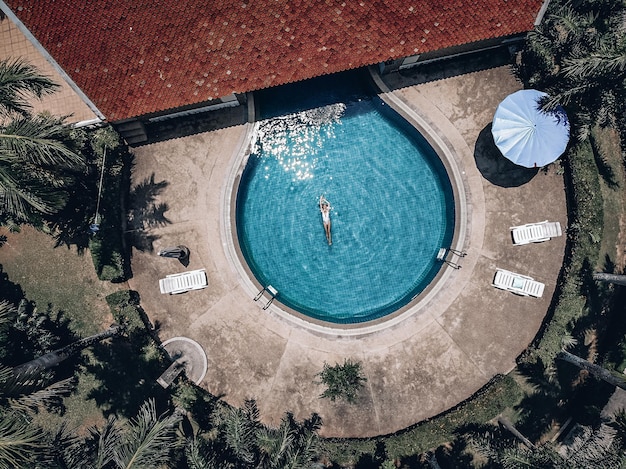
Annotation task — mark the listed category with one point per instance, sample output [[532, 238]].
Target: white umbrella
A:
[[526, 134]]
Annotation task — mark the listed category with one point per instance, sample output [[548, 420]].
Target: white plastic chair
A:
[[535, 232], [183, 282], [517, 283]]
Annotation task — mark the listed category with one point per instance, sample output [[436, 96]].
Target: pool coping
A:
[[447, 277]]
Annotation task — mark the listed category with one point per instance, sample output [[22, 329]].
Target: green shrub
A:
[[127, 311], [108, 249], [107, 261], [342, 381]]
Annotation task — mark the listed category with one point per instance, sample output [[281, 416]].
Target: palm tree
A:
[[595, 370], [238, 429], [578, 56], [342, 381], [55, 357], [242, 441], [20, 441], [198, 457], [144, 442], [18, 80], [589, 448], [291, 444], [610, 278], [27, 389], [30, 386], [36, 159]]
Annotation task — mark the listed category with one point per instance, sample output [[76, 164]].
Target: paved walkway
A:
[[433, 357]]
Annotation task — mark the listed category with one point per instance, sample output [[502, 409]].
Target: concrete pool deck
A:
[[466, 333]]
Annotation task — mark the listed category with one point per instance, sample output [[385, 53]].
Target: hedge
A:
[[107, 245], [584, 235], [499, 394]]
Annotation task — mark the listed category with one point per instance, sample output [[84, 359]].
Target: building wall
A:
[[414, 61]]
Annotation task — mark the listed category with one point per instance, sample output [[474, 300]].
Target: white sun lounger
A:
[[535, 232], [517, 283], [183, 282]]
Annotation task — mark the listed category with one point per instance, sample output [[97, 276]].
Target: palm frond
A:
[[40, 140], [105, 442], [489, 443], [20, 441], [44, 398], [19, 81], [619, 424], [251, 411], [274, 444], [300, 457], [33, 169], [292, 445], [19, 202], [68, 450], [593, 448], [148, 439], [595, 65], [517, 457], [567, 95], [197, 458], [7, 314], [567, 24], [15, 385], [240, 435]]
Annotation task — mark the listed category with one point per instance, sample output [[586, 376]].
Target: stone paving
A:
[[432, 357]]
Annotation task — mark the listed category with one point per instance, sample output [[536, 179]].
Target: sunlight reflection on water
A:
[[296, 141]]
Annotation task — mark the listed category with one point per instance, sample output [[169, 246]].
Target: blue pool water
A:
[[392, 209]]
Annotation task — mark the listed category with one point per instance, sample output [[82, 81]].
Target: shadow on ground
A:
[[451, 67], [126, 378], [146, 213], [193, 124], [494, 167]]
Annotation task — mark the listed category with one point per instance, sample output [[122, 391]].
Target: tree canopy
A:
[[578, 56], [38, 160]]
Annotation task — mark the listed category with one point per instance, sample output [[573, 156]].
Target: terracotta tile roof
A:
[[135, 57]]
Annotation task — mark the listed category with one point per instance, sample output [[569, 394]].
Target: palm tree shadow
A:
[[126, 377], [145, 213], [540, 406], [494, 167]]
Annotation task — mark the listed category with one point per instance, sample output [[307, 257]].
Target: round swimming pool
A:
[[392, 209]]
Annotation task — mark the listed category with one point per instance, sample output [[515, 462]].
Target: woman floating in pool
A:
[[325, 209]]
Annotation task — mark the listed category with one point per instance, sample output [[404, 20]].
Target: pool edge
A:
[[422, 302]]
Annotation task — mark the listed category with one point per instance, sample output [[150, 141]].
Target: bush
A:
[[127, 311], [107, 245], [108, 262], [342, 381]]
